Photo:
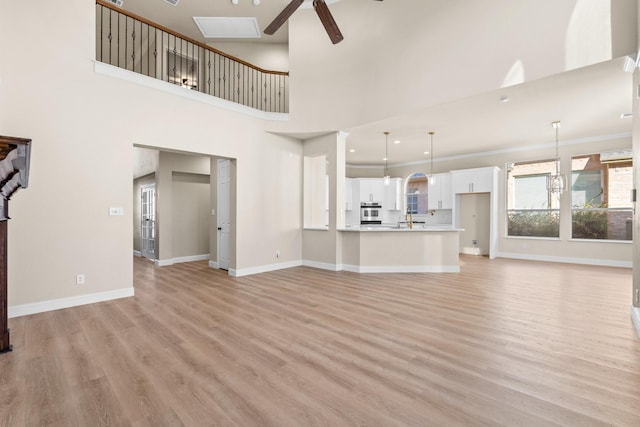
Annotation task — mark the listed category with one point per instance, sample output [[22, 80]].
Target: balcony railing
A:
[[136, 44]]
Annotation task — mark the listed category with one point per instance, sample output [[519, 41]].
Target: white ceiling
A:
[[180, 18], [587, 101]]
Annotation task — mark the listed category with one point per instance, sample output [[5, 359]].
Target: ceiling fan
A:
[[323, 13]]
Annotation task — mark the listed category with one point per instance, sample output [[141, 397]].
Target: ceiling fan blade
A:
[[327, 20], [283, 16]]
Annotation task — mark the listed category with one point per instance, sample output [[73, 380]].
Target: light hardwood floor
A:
[[504, 342]]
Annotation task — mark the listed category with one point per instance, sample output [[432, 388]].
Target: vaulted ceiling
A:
[[588, 100]]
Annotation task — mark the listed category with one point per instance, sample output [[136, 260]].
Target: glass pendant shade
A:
[[556, 183]]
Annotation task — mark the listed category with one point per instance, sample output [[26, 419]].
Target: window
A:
[[182, 70], [417, 195], [532, 210], [601, 187]]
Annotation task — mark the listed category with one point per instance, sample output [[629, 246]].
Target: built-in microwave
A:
[[370, 213]]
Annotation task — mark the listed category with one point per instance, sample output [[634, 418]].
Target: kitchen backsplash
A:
[[439, 217]]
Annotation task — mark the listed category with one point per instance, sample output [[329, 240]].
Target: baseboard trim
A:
[[137, 253], [178, 260], [321, 265], [58, 304], [382, 268], [635, 316], [213, 264], [471, 251], [567, 260], [402, 269], [263, 268]]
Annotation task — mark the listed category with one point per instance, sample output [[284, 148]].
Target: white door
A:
[[148, 217], [224, 219]]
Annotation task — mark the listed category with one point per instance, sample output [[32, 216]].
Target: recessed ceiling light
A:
[[397, 141], [426, 152], [353, 150], [625, 115], [385, 159]]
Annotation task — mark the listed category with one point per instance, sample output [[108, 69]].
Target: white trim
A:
[[214, 264], [383, 269], [471, 251], [321, 265], [57, 304], [402, 269], [178, 260], [635, 316], [130, 76], [137, 253], [567, 260], [263, 268]]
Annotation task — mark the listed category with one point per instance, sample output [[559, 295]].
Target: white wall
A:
[[191, 214], [83, 127], [440, 52]]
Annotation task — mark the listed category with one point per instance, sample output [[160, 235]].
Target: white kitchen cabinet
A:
[[371, 189], [478, 180], [393, 195], [440, 193], [348, 194]]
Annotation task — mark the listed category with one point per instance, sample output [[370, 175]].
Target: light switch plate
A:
[[116, 211]]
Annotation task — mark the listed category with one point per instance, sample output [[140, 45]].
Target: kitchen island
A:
[[390, 249]]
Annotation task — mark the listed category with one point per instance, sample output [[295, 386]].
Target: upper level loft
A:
[[134, 43]]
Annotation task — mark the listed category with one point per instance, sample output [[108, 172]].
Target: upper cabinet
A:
[[393, 195], [480, 180], [348, 194], [371, 190], [440, 193]]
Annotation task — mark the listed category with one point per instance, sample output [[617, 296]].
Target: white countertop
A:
[[394, 228]]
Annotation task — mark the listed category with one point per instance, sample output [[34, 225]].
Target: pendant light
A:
[[556, 183], [387, 178], [431, 178]]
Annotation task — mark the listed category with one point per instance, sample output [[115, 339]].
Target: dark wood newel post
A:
[[5, 344], [14, 174]]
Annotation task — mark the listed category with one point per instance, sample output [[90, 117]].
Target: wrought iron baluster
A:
[[209, 74], [133, 46], [221, 75]]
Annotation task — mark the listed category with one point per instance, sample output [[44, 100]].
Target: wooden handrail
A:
[[188, 39]]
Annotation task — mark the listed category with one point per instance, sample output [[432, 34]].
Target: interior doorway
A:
[[224, 218], [475, 220], [148, 221]]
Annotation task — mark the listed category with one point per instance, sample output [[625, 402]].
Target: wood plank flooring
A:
[[504, 342]]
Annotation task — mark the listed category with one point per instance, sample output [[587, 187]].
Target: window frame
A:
[[605, 198], [554, 212]]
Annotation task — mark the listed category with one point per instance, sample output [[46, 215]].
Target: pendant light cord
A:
[[556, 125], [386, 151], [431, 151]]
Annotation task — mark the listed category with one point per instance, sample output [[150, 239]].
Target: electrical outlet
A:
[[79, 279], [474, 242]]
